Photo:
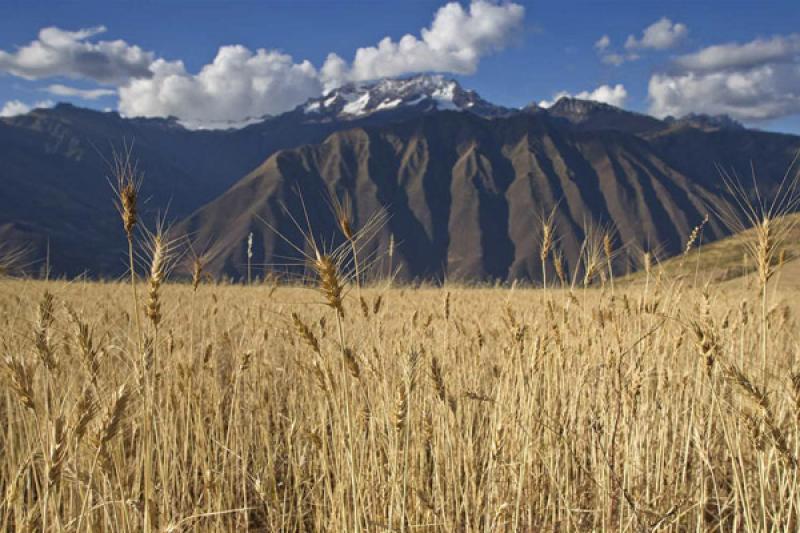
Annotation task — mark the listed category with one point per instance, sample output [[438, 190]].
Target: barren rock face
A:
[[465, 196]]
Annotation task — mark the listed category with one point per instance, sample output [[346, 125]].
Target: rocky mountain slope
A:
[[464, 196]]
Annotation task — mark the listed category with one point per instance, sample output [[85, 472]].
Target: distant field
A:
[[443, 409]]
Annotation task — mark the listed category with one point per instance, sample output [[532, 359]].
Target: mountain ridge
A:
[[436, 92], [54, 187], [485, 188]]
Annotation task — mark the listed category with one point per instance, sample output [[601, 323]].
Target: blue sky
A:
[[511, 53]]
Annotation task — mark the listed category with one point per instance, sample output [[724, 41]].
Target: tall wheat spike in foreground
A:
[[769, 226]]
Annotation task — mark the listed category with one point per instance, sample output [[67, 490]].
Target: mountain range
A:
[[463, 184]]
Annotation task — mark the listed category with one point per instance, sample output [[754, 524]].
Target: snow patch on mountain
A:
[[427, 92]]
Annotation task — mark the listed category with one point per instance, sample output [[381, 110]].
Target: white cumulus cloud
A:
[[660, 35], [59, 52], [13, 108], [607, 94], [84, 94], [778, 49], [609, 56], [602, 43], [752, 81], [238, 85], [455, 42]]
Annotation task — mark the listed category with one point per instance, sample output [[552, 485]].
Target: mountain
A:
[[54, 186], [595, 116], [463, 181], [464, 196], [54, 177]]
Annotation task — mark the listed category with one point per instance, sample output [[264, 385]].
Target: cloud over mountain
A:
[[13, 108], [778, 49], [58, 89], [455, 42], [606, 94], [752, 81], [60, 52], [238, 85]]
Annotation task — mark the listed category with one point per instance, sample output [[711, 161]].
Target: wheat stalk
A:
[[21, 376], [197, 272], [41, 331], [438, 379], [306, 334], [330, 283], [128, 181], [158, 259], [694, 235], [85, 411], [58, 451], [548, 229]]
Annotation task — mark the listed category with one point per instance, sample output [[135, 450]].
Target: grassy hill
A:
[[728, 259]]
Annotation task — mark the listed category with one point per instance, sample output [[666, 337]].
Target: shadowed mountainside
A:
[[55, 166], [465, 196]]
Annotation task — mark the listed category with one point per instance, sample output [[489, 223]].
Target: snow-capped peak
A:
[[426, 92]]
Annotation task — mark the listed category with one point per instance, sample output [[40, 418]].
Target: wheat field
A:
[[262, 408], [660, 402]]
